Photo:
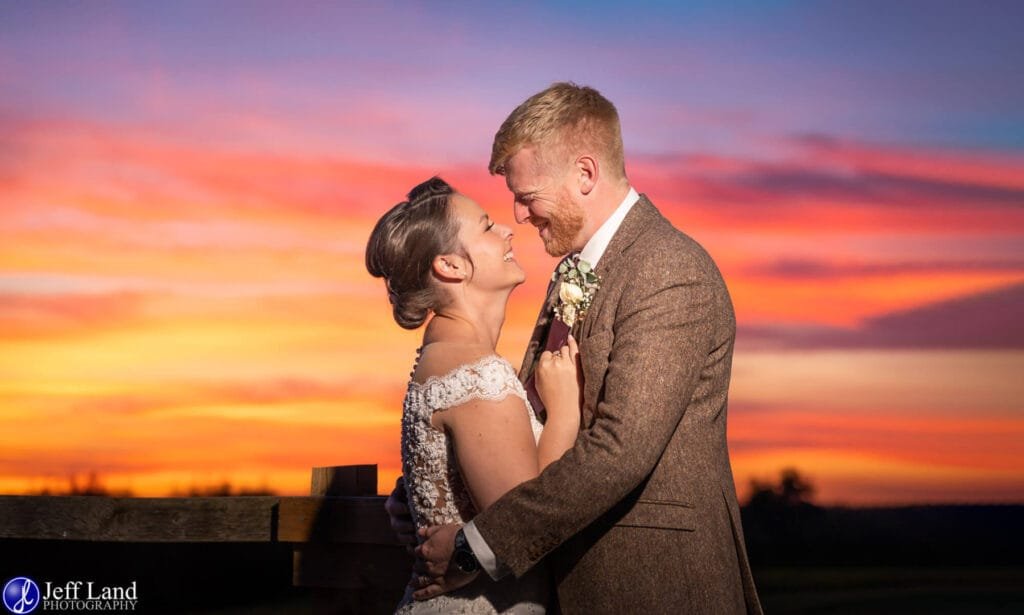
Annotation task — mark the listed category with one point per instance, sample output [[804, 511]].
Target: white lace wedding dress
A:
[[437, 494]]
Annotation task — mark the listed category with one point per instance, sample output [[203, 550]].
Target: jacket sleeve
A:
[[663, 333]]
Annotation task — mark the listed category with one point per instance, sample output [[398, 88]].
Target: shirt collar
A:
[[594, 250]]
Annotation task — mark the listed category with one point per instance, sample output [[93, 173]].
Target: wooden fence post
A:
[[344, 480], [349, 577]]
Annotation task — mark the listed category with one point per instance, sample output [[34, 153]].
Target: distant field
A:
[[885, 590]]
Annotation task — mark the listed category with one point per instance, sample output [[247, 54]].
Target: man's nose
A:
[[520, 212]]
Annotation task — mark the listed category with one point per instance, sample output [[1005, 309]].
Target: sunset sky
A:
[[186, 190]]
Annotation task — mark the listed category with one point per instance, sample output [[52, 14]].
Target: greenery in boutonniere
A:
[[579, 285]]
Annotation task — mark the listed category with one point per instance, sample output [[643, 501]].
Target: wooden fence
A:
[[342, 542]]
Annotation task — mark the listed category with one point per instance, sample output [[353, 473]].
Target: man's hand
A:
[[397, 507], [438, 574]]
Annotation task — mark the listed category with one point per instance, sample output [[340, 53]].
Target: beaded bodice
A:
[[436, 492]]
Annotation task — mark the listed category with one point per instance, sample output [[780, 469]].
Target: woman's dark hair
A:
[[403, 246]]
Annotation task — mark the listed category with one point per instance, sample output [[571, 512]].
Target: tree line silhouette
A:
[[93, 485]]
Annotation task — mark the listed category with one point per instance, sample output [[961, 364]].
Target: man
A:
[[641, 515]]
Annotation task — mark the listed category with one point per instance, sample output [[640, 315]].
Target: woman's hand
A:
[[558, 379], [397, 507]]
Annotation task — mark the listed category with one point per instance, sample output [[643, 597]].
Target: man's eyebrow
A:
[[523, 195]]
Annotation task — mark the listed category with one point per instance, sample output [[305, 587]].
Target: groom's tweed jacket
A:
[[641, 515]]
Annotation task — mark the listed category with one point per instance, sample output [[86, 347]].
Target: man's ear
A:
[[450, 267], [588, 169]]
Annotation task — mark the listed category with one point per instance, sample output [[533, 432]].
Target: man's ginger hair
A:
[[562, 122]]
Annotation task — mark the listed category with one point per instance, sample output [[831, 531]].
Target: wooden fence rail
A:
[[340, 536]]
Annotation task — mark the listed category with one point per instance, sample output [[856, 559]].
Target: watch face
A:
[[466, 562]]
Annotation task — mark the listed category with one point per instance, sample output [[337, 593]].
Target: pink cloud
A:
[[984, 320], [824, 185]]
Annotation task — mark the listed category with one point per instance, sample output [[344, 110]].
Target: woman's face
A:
[[489, 246]]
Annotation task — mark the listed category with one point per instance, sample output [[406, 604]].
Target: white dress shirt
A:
[[592, 253]]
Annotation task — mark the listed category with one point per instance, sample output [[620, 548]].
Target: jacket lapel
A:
[[639, 217]]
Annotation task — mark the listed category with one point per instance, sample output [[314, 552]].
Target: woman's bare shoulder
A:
[[440, 358]]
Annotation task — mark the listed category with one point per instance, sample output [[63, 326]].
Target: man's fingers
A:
[[425, 550], [428, 592], [424, 568], [426, 565], [437, 585], [419, 581], [436, 570]]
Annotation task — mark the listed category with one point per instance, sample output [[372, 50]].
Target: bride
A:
[[468, 432]]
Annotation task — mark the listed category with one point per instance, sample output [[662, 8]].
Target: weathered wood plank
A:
[[356, 520], [210, 519]]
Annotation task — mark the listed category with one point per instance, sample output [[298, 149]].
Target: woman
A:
[[468, 433]]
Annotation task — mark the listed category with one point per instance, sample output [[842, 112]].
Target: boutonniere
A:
[[579, 285]]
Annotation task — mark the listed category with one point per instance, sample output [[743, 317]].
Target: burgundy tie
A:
[[557, 336]]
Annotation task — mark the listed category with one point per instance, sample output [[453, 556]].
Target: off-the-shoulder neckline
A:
[[493, 357]]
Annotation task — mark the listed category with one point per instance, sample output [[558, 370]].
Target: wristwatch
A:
[[463, 555]]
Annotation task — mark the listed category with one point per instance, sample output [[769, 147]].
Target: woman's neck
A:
[[468, 322]]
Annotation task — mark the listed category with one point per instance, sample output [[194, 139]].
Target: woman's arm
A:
[[494, 440], [558, 384], [494, 444]]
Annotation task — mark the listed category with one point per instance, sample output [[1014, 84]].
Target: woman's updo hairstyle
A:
[[403, 246]]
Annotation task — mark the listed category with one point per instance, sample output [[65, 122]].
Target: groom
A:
[[641, 515]]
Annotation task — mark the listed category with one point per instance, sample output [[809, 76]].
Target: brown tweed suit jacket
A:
[[641, 515]]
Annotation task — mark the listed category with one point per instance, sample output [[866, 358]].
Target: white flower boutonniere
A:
[[579, 285]]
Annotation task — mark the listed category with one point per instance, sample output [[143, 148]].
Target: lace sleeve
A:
[[490, 378]]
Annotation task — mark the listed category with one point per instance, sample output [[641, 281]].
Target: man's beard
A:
[[564, 224]]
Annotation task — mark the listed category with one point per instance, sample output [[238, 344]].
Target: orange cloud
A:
[[967, 442], [66, 315]]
